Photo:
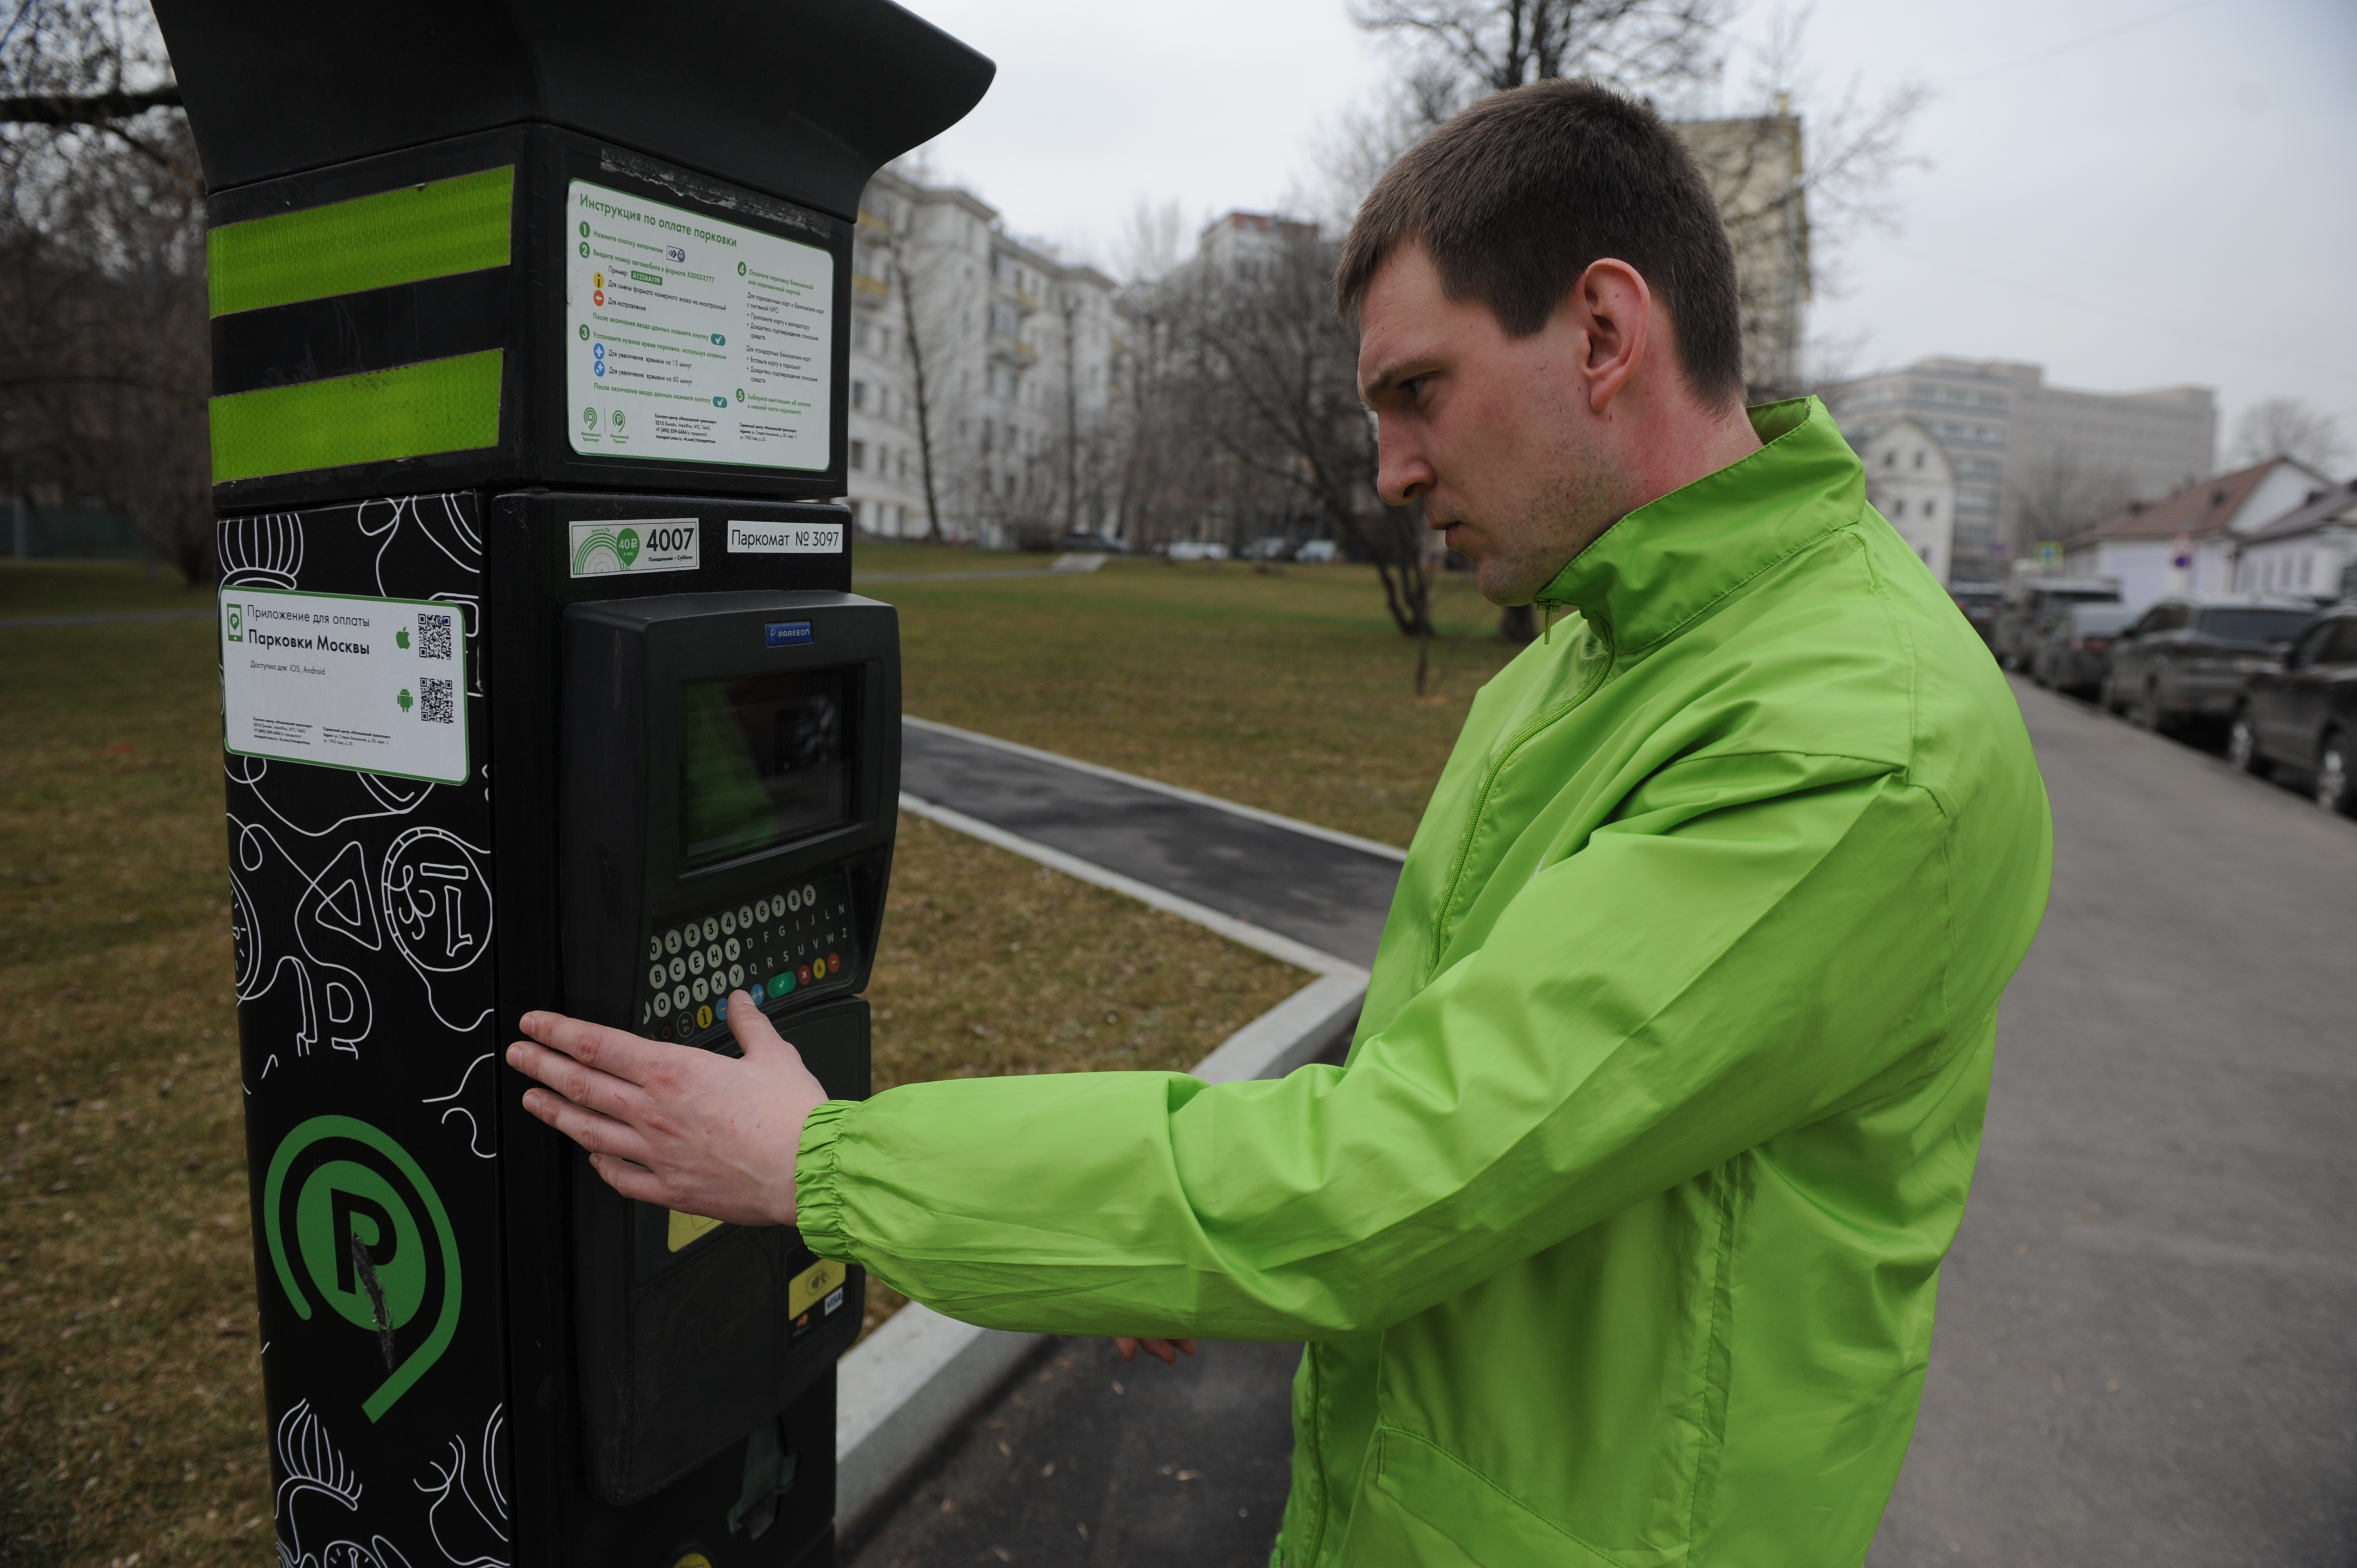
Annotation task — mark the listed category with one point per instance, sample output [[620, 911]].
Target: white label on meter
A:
[[635, 544], [374, 685], [693, 340], [784, 538]]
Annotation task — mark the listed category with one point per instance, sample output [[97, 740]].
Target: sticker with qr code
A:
[[374, 685]]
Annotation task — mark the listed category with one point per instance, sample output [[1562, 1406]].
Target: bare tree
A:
[[2057, 494], [2289, 427], [1275, 380], [104, 351], [1644, 44]]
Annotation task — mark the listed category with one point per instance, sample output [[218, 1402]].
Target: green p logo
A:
[[236, 614], [354, 1227]]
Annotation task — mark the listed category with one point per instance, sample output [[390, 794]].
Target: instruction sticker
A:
[[693, 340], [785, 538], [634, 545], [341, 680]]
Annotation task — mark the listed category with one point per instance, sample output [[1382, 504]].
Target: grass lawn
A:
[[130, 1399], [1285, 687]]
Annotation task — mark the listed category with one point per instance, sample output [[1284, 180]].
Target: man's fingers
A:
[[751, 1026], [585, 1085], [1166, 1351], [624, 1055], [599, 1134], [632, 1181]]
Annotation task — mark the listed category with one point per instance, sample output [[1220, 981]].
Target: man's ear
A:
[[1614, 310]]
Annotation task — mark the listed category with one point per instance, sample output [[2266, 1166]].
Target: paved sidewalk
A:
[[1321, 888]]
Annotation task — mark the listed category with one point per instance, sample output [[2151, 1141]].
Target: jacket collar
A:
[[1671, 559]]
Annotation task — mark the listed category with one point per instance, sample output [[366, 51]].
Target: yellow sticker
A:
[[687, 1227], [813, 1285]]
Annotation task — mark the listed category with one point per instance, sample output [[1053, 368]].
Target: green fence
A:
[[69, 533]]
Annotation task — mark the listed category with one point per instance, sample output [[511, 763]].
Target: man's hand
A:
[[688, 1129], [1163, 1350]]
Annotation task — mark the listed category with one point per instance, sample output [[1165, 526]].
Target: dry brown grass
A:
[[1286, 688], [130, 1396]]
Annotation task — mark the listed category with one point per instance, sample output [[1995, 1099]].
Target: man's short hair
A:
[[1517, 196]]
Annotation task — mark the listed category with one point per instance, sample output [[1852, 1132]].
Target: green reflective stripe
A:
[[419, 231], [440, 405]]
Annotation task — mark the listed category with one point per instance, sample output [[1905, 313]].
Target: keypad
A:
[[796, 937]]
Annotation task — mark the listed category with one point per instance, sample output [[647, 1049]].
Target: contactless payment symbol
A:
[[358, 1236]]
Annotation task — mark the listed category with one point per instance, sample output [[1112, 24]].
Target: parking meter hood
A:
[[806, 99]]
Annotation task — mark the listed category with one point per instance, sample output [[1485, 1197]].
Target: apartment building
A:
[[1910, 482], [990, 356], [1755, 165], [2035, 462]]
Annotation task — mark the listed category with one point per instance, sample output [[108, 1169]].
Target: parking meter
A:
[[543, 687]]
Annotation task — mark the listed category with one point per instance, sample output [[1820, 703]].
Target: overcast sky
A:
[[2166, 204]]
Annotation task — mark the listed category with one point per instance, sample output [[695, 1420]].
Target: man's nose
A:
[[1402, 471]]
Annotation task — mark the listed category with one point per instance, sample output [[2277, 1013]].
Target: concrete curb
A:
[[920, 1375]]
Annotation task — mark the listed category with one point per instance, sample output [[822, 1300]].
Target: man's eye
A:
[[1414, 387]]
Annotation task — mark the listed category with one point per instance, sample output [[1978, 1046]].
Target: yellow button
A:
[[687, 1227], [813, 1285], [703, 1016]]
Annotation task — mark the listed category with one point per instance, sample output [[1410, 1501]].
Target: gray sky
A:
[[2165, 204]]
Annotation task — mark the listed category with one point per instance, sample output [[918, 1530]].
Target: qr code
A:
[[434, 705], [433, 636]]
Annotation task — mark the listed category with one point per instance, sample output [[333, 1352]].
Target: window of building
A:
[[859, 331], [1919, 456], [859, 454], [1898, 508], [859, 394], [1930, 508]]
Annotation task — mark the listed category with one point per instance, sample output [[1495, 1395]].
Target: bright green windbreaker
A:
[[1617, 1239]]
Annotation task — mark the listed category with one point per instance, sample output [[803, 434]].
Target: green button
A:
[[781, 984]]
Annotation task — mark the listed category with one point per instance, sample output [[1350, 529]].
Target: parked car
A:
[[2076, 654], [1091, 544], [1315, 552], [1269, 547], [1195, 549], [2300, 713], [2030, 606], [1982, 604], [2185, 660]]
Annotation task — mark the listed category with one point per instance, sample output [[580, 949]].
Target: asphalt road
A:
[[2147, 1343]]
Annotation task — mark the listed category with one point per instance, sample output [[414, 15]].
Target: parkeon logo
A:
[[357, 1233]]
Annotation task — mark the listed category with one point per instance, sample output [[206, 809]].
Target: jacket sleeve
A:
[[1750, 943]]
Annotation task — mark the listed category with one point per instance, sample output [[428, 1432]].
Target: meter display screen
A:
[[763, 760]]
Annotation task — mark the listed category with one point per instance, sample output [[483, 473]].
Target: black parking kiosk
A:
[[543, 687]]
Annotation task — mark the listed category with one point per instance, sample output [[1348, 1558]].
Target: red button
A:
[[832, 963], [805, 974]]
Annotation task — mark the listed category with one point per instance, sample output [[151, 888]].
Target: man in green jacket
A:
[[1616, 1241]]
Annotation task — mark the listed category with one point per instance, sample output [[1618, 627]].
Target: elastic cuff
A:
[[818, 1201]]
